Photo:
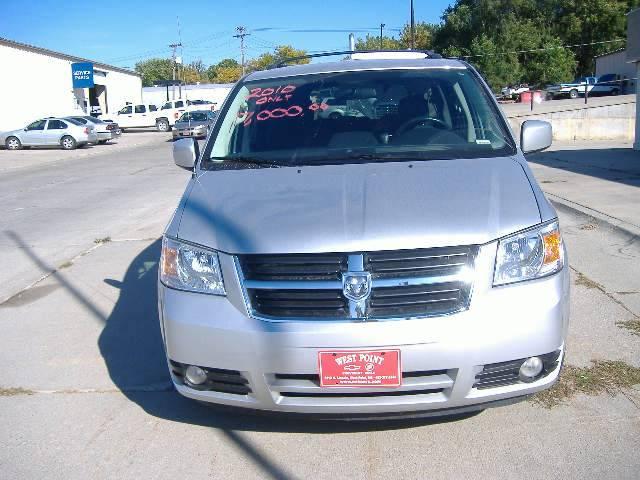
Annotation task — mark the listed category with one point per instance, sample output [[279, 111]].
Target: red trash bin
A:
[[525, 97]]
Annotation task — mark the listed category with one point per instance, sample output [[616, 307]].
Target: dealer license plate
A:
[[360, 368]]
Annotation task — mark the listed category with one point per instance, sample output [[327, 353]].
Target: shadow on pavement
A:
[[614, 164], [132, 348]]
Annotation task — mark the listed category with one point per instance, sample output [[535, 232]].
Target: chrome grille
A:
[[416, 263], [299, 303], [404, 284], [293, 267]]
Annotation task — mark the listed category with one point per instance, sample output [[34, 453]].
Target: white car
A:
[[514, 91], [51, 131]]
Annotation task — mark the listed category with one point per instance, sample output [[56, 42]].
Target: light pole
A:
[[242, 32], [382, 25], [413, 29]]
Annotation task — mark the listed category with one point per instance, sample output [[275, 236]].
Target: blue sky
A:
[[123, 33]]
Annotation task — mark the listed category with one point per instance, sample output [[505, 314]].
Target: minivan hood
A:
[[359, 207]]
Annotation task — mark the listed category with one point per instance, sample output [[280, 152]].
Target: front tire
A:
[[163, 125], [573, 94], [13, 143], [68, 143], [615, 92]]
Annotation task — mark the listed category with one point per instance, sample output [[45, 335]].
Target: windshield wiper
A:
[[250, 161]]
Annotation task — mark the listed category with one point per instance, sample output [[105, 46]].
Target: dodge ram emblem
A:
[[356, 286]]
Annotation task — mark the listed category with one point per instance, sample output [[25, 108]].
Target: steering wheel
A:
[[414, 122]]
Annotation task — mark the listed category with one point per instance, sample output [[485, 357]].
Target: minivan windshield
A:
[[360, 116]]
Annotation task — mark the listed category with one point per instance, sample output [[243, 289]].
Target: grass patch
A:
[[98, 241], [604, 376], [585, 281], [11, 392], [632, 325]]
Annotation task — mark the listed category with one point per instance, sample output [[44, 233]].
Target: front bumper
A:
[[441, 356]]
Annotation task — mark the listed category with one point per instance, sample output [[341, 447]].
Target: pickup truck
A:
[[571, 90], [149, 115], [609, 84]]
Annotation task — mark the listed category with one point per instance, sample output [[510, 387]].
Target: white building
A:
[[633, 57], [37, 83], [213, 92]]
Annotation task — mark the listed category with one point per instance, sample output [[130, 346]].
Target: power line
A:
[[545, 49]]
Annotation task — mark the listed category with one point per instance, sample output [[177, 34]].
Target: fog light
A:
[[530, 369], [195, 375]]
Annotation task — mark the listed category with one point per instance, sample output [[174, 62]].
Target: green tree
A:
[[498, 69], [560, 22], [225, 71], [424, 35], [155, 69], [193, 72], [280, 53], [372, 42]]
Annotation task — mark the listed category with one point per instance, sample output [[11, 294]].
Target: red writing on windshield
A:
[[281, 93], [292, 111]]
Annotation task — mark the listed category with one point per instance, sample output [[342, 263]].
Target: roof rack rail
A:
[[285, 61]]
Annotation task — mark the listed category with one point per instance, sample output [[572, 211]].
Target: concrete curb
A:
[[579, 209]]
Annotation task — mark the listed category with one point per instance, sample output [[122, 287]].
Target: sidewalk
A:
[[600, 178], [595, 188]]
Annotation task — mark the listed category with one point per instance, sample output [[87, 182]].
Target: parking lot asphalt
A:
[[85, 393]]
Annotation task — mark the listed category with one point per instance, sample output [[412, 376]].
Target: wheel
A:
[[573, 93], [334, 115], [68, 143], [12, 143], [615, 92], [163, 125]]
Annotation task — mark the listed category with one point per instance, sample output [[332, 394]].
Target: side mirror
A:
[[185, 152], [535, 136]]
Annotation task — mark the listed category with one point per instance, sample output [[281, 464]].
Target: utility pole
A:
[[382, 25], [413, 29], [242, 32], [173, 47]]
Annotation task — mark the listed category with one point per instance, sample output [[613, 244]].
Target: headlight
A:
[[191, 268], [532, 254]]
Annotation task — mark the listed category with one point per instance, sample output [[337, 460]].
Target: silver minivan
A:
[[398, 261]]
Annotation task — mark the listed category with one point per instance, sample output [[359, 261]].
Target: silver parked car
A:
[[62, 132], [405, 263], [104, 130], [194, 124]]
